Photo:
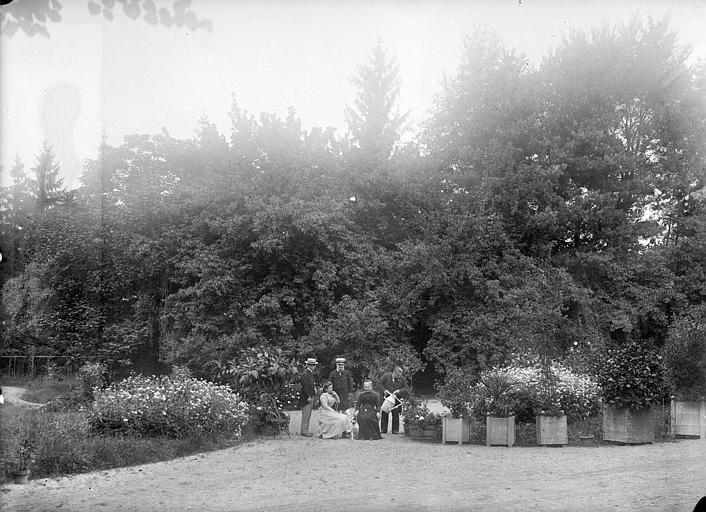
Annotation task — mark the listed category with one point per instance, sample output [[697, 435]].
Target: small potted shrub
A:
[[23, 448], [420, 424], [496, 389], [552, 428], [631, 380], [456, 394], [684, 356]]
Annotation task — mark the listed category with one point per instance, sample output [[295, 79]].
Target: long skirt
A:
[[368, 423], [332, 424]]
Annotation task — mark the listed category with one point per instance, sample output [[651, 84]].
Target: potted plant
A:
[[23, 449], [496, 389], [456, 394], [420, 424], [552, 428], [631, 380]]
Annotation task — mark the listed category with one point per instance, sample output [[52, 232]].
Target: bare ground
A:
[[12, 396], [307, 474]]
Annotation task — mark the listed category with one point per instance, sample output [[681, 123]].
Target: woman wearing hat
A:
[[307, 394], [332, 424]]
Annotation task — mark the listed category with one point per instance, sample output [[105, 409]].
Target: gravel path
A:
[[305, 474], [12, 396]]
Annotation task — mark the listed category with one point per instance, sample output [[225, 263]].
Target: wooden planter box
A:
[[500, 431], [430, 434], [624, 425], [688, 419], [552, 430], [455, 430]]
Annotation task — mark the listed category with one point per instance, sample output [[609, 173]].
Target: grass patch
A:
[[66, 445]]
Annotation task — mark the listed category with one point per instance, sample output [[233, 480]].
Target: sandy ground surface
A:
[[308, 474]]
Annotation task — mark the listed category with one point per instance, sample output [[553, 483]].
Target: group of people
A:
[[339, 412]]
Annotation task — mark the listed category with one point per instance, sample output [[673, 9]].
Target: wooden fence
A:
[[31, 366]]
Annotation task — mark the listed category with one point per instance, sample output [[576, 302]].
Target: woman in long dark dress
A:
[[368, 413]]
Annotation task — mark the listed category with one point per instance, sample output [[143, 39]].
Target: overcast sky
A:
[[123, 77]]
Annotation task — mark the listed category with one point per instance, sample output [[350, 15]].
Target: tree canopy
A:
[[554, 208]]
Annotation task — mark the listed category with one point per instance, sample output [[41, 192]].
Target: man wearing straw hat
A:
[[342, 383], [307, 394]]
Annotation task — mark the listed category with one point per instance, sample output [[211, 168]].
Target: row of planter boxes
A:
[[620, 425], [551, 430]]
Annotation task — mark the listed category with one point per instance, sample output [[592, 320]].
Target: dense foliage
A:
[[631, 376], [417, 413], [258, 371], [556, 209], [684, 355], [166, 406], [521, 391]]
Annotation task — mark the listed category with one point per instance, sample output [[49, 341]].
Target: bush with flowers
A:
[[416, 413], [175, 406], [522, 391]]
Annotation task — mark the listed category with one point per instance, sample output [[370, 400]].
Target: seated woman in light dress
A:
[[332, 424]]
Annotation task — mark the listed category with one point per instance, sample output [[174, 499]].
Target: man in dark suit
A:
[[393, 384], [342, 383], [307, 394]]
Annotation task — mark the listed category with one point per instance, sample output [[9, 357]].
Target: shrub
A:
[[417, 413], [180, 372], [20, 442], [167, 406], [522, 392], [579, 395], [684, 355], [92, 376], [260, 370], [454, 393], [631, 376], [289, 398]]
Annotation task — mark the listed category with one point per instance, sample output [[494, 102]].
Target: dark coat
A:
[[387, 382], [342, 385], [308, 388]]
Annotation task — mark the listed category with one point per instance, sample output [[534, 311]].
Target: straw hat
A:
[[340, 360], [312, 361]]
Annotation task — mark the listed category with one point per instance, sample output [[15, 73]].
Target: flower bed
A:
[[520, 391], [167, 406]]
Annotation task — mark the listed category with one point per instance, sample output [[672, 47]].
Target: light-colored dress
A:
[[332, 423]]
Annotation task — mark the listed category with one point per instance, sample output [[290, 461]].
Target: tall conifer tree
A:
[[374, 119]]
